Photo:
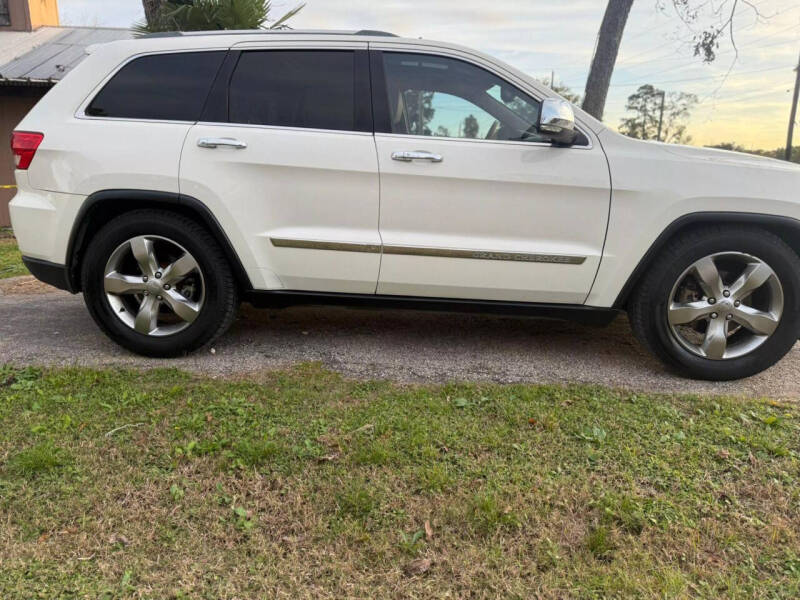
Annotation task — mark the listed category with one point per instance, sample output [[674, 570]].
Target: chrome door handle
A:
[[217, 142], [407, 156]]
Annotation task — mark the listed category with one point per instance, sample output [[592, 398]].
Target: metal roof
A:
[[44, 56]]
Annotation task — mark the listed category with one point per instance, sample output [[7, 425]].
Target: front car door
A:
[[474, 204], [284, 158]]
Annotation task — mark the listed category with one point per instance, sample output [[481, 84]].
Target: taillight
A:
[[24, 145]]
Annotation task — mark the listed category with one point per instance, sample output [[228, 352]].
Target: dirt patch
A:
[[25, 285]]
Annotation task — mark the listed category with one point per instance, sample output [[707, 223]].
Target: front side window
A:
[[439, 96], [313, 89], [164, 87], [5, 16]]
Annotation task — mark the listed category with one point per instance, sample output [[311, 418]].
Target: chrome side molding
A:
[[557, 259], [561, 259], [335, 246]]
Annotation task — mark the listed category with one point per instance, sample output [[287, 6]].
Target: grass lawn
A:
[[10, 258], [123, 484]]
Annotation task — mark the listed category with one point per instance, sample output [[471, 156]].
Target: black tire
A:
[[647, 307], [221, 295]]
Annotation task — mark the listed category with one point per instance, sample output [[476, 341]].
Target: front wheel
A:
[[720, 303], [158, 284]]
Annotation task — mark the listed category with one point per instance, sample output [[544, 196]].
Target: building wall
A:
[[15, 102], [43, 12], [20, 15], [27, 15]]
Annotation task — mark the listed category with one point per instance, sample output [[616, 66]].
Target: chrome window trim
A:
[[480, 141], [283, 128], [86, 117], [220, 124]]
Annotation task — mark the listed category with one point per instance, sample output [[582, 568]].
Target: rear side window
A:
[[164, 87], [312, 89]]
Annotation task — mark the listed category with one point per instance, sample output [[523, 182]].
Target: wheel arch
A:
[[787, 228], [104, 205]]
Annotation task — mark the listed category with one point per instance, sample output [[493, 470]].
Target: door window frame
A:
[[380, 102], [81, 112], [217, 109]]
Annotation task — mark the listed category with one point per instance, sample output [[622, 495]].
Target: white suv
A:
[[170, 177]]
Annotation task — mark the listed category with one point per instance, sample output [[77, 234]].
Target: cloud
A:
[[538, 36]]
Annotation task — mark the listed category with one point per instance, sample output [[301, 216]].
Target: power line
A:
[[689, 37], [671, 55], [706, 78], [684, 80]]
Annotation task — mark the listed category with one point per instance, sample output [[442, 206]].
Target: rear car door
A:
[[474, 203], [285, 159]]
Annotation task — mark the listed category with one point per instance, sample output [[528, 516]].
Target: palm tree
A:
[[209, 15]]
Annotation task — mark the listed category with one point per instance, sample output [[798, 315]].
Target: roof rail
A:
[[161, 34], [362, 32], [375, 33]]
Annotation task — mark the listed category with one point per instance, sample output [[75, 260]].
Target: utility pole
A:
[[661, 115], [552, 79], [793, 117]]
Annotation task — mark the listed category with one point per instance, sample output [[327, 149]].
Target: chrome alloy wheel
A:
[[725, 305], [154, 285]]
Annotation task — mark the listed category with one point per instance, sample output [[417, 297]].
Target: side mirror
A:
[[557, 121]]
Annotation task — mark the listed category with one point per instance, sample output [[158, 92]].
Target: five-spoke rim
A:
[[154, 285], [725, 305]]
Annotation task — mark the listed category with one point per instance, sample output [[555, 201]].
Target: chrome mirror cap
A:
[[557, 121]]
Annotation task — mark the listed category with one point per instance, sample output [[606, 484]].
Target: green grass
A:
[[123, 484], [10, 257]]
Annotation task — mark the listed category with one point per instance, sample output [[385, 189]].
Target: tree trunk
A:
[[605, 56], [151, 9]]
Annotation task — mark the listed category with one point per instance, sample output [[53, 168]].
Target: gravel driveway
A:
[[42, 326]]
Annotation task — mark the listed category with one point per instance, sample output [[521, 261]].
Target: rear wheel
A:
[[158, 284], [720, 303]]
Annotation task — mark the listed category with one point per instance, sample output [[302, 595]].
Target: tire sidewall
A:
[[786, 266], [171, 228]]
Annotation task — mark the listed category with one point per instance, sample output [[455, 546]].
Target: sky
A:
[[744, 99]]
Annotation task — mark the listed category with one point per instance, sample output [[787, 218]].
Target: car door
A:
[[284, 158], [474, 203]]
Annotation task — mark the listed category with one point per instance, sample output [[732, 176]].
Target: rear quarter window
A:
[[164, 87]]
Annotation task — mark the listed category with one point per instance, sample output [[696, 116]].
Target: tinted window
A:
[[311, 89], [438, 96], [168, 87]]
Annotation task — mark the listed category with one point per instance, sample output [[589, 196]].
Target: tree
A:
[[645, 104], [209, 15], [779, 153], [562, 90], [706, 41], [151, 8], [419, 111], [471, 127], [605, 56]]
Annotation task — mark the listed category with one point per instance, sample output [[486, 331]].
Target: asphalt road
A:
[[41, 326]]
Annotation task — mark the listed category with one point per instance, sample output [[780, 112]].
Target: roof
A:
[[44, 56]]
